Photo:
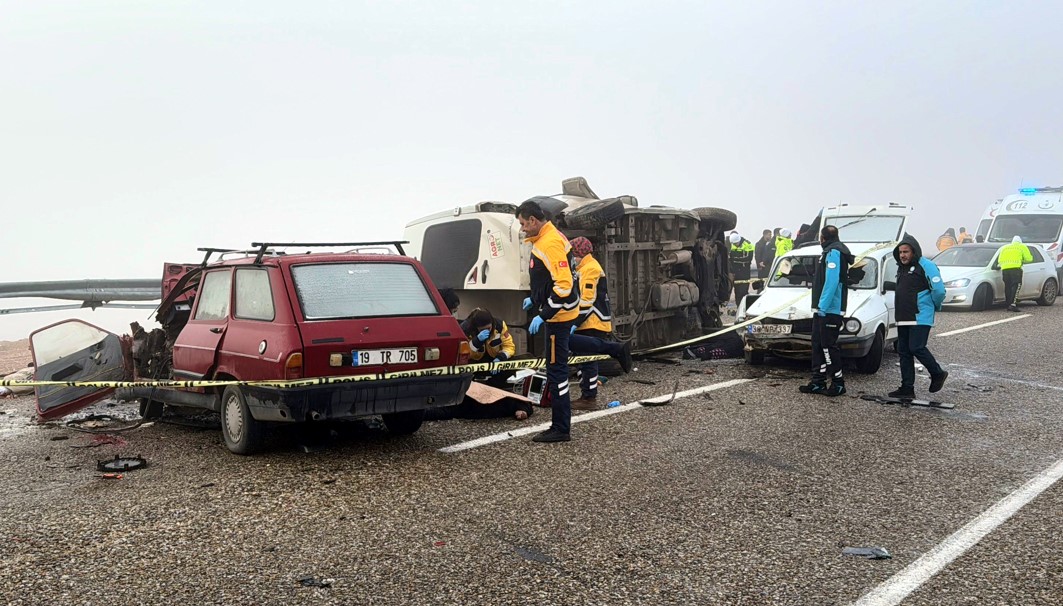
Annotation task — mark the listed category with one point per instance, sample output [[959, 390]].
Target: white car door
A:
[[1033, 275], [996, 277]]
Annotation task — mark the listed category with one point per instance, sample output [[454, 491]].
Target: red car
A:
[[267, 316]]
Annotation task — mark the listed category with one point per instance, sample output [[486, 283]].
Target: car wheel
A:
[[150, 409], [870, 363], [1049, 292], [720, 216], [241, 432], [404, 423], [983, 298], [755, 357], [595, 214]]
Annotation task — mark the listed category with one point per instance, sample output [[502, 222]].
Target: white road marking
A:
[[589, 416], [970, 328], [901, 585]]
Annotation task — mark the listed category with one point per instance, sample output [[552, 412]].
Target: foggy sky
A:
[[133, 132]]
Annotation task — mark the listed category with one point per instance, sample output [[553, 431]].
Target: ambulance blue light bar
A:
[[1028, 191]]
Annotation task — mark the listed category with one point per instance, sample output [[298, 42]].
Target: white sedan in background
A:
[[973, 279]]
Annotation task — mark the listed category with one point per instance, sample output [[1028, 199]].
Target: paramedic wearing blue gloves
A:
[[555, 303], [829, 296], [920, 293]]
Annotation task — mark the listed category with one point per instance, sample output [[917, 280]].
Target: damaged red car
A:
[[262, 315]]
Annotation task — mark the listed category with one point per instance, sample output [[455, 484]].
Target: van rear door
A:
[[370, 316]]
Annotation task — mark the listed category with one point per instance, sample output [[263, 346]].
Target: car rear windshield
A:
[[332, 291], [1031, 228], [962, 256], [796, 271]]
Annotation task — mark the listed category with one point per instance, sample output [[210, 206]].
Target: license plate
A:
[[770, 329], [380, 357]]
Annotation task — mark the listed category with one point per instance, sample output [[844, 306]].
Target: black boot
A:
[[937, 381], [625, 360], [903, 393], [552, 435], [837, 388], [813, 387]]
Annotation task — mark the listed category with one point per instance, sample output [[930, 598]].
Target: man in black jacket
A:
[[830, 294], [764, 255], [919, 294]]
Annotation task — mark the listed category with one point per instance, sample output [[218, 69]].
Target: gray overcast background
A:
[[133, 132]]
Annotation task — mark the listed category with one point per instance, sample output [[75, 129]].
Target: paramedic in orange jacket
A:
[[555, 302]]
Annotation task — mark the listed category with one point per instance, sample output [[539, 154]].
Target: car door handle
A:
[[217, 330]]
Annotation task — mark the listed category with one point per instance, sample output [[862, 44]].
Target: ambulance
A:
[[1036, 215]]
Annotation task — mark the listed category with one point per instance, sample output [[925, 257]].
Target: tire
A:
[[1049, 292], [241, 432], [870, 363], [596, 214], [755, 357], [404, 423], [983, 298], [726, 219], [150, 409]]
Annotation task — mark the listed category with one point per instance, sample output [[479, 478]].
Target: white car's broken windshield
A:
[[793, 272], [869, 228]]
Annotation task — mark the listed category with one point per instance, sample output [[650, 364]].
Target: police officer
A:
[[592, 329], [741, 257], [829, 296], [555, 303], [783, 242], [764, 252], [1011, 259]]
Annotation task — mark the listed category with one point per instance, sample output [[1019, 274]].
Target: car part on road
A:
[[905, 402], [309, 581], [120, 463], [675, 390], [871, 553]]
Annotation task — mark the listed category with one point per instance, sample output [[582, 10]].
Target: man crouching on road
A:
[[920, 293], [829, 296], [555, 302]]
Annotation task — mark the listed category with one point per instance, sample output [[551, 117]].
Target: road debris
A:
[[309, 581], [120, 463], [871, 553]]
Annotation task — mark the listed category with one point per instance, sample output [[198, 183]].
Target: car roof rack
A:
[[210, 251], [263, 247]]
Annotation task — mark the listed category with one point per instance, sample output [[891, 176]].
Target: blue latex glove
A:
[[527, 304], [497, 360], [573, 330], [535, 325], [484, 335]]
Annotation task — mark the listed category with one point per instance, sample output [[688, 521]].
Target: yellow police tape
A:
[[441, 371], [406, 374]]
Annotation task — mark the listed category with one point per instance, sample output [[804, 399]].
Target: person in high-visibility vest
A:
[[741, 260], [784, 242], [1011, 259]]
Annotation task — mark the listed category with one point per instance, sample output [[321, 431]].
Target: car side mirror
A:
[[889, 285]]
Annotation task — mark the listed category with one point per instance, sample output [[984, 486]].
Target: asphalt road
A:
[[742, 495]]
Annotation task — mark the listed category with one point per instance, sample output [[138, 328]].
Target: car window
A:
[[450, 250], [1032, 228], [254, 297], [214, 295], [867, 229], [983, 227], [361, 290], [1037, 258], [962, 256], [799, 271]]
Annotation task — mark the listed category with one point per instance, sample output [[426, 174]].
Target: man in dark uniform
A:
[[829, 297], [764, 255], [555, 302]]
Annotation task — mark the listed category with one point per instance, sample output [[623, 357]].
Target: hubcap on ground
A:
[[234, 420]]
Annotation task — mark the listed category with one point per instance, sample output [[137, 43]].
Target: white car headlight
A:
[[961, 283], [852, 326]]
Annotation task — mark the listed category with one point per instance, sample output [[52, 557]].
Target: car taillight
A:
[[464, 351], [293, 368]]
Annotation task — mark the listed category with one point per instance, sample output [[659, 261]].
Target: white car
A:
[[870, 318], [973, 279]]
